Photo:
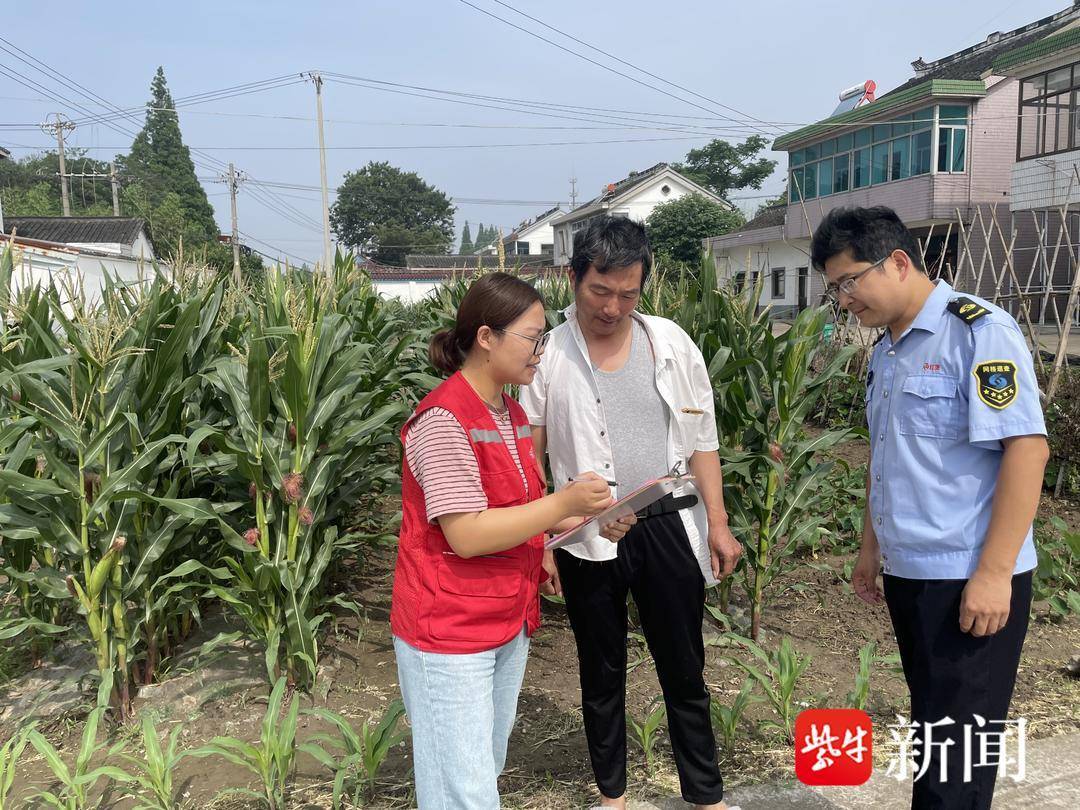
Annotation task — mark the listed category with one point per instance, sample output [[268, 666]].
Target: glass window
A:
[[958, 143], [810, 181], [1057, 123], [796, 158], [824, 185], [810, 153], [902, 125], [900, 163], [1058, 80], [882, 132], [547, 248], [952, 114], [879, 160], [1032, 121], [1035, 86], [861, 168], [795, 186], [828, 147], [840, 173], [920, 152], [778, 279], [944, 144], [522, 248], [922, 118], [843, 143], [862, 137]]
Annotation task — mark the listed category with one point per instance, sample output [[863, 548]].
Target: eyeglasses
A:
[[538, 342], [847, 286]]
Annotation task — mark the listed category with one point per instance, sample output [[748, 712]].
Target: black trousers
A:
[[954, 674], [655, 564]]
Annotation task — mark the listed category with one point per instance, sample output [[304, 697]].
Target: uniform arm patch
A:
[[997, 383]]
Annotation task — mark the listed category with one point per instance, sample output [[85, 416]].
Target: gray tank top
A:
[[637, 419]]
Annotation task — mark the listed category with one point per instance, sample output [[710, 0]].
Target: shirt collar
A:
[[929, 317], [662, 350]]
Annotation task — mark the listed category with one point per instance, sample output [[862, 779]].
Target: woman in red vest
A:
[[474, 514]]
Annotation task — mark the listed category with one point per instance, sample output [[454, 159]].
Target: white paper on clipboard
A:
[[634, 502]]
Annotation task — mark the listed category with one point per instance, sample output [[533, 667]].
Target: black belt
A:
[[667, 504]]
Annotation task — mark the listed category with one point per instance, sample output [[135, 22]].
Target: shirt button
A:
[[882, 437], [606, 466], [886, 395], [892, 354], [598, 400], [601, 433], [877, 477], [879, 521]]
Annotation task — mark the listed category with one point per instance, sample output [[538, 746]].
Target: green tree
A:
[[30, 187], [722, 167], [161, 165], [466, 241], [676, 228], [387, 212], [481, 239], [780, 199]]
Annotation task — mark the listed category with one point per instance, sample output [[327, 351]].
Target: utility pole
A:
[[57, 127], [328, 257], [573, 192], [233, 180], [114, 181]]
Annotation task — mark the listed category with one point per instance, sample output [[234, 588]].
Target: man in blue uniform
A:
[[957, 453]]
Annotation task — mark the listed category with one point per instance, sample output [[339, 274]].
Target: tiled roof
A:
[[768, 217], [384, 273], [467, 262], [1038, 49], [85, 230], [959, 74], [528, 223]]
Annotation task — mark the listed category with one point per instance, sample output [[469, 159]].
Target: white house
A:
[[533, 237], [423, 274], [763, 247], [635, 197], [119, 236]]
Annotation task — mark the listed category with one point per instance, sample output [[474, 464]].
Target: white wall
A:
[[766, 258], [407, 291], [1045, 182], [637, 206], [543, 235], [64, 268], [141, 248]]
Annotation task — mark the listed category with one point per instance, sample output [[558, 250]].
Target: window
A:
[[1048, 113], [900, 163], [810, 181], [824, 185], [522, 249], [840, 173], [920, 153], [778, 282], [548, 249], [861, 159], [951, 143], [879, 163], [877, 153]]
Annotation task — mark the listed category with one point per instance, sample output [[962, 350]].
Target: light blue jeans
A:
[[461, 709]]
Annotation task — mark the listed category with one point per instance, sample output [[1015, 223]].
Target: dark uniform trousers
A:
[[656, 564], [954, 674]]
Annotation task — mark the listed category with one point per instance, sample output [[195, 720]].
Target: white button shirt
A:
[[564, 398]]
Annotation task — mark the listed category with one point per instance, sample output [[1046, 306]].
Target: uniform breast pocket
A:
[[931, 406]]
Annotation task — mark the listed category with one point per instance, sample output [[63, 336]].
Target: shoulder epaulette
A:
[[967, 310]]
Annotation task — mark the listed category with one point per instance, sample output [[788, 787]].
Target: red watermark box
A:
[[833, 747]]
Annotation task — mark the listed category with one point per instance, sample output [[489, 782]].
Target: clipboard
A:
[[637, 500]]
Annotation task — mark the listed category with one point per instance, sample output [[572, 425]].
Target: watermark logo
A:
[[835, 747]]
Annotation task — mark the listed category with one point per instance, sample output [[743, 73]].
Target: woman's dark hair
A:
[[611, 243], [495, 300], [870, 234]]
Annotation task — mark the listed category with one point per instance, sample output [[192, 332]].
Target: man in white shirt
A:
[[628, 396]]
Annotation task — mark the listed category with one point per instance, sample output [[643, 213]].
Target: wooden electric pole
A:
[[233, 180], [57, 127], [328, 257]]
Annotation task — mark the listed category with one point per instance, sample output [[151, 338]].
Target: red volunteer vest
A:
[[444, 603]]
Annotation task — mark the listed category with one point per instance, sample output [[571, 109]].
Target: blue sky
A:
[[777, 62]]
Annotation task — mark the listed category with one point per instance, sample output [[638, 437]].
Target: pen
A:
[[609, 483]]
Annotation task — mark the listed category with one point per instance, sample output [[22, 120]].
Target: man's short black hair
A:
[[870, 234], [611, 243]]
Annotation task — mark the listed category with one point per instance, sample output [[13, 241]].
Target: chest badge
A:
[[997, 383]]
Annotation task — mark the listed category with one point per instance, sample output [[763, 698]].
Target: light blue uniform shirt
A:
[[938, 403]]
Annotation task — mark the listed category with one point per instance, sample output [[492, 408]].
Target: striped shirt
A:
[[442, 460]]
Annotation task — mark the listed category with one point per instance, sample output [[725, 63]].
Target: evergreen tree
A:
[[161, 165], [481, 239], [466, 241]]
